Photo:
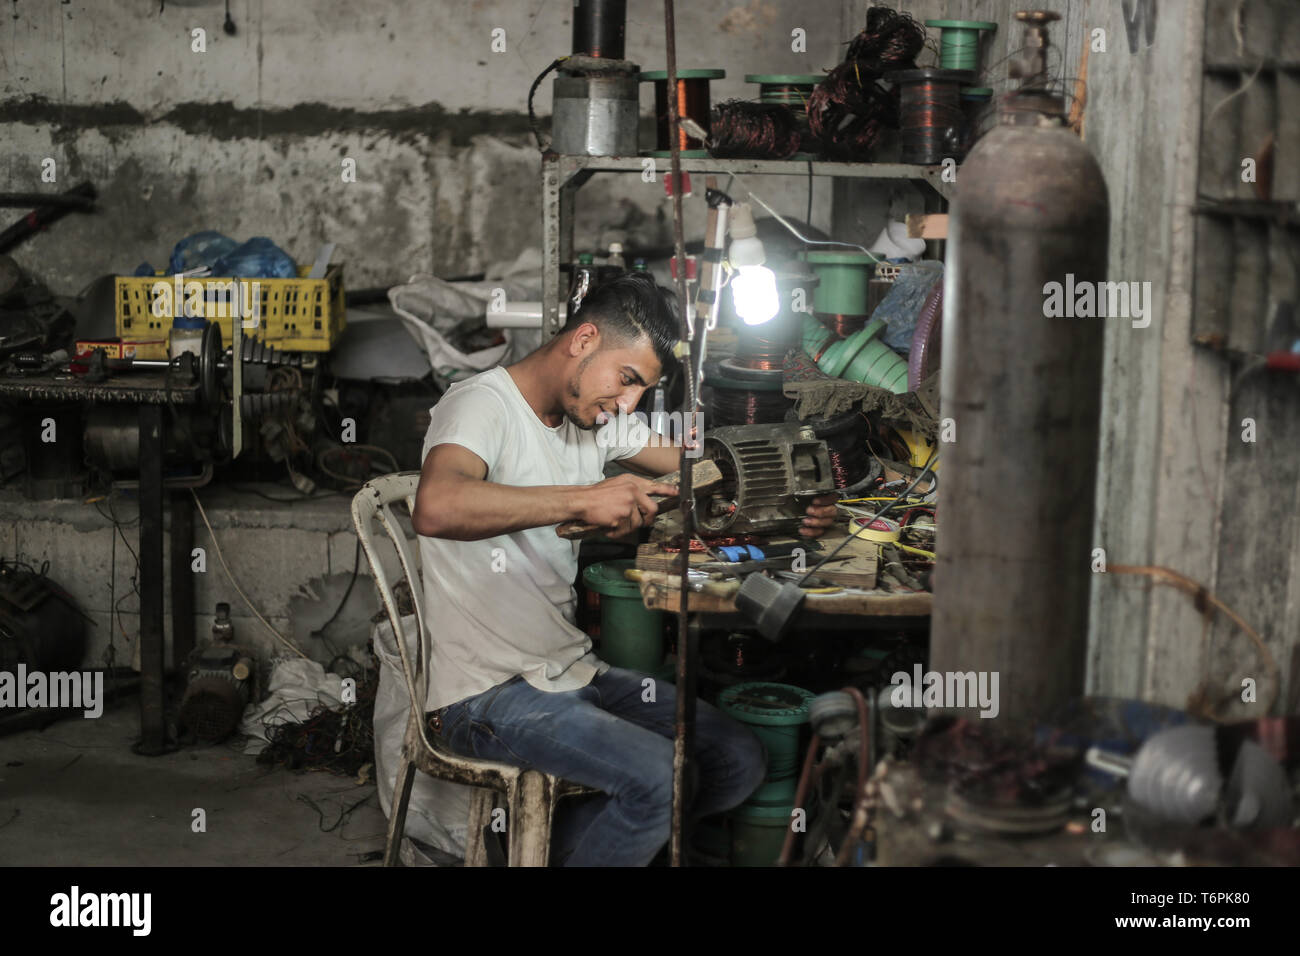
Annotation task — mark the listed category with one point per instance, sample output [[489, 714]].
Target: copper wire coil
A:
[[843, 324], [692, 100], [850, 108], [846, 446], [765, 352], [734, 406], [741, 130], [931, 120], [849, 464]]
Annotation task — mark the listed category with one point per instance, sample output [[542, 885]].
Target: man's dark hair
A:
[[630, 306]]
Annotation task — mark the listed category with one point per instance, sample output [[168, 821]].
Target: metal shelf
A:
[[564, 175]]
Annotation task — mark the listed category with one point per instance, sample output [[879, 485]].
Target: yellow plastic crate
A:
[[299, 315]]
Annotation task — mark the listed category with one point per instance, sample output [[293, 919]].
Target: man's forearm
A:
[[470, 510]]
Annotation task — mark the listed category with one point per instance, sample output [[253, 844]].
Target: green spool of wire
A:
[[959, 42], [787, 89], [775, 712], [843, 277]]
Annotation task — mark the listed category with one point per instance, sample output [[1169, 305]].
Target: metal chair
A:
[[530, 795]]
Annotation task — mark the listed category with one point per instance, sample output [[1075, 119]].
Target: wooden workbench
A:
[[660, 589]]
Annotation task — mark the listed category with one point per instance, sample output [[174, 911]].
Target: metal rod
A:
[[182, 577], [684, 737], [153, 733]]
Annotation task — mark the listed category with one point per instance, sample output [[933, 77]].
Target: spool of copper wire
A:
[[732, 406], [791, 91], [842, 324], [764, 351], [932, 124], [846, 446], [692, 94], [765, 346], [740, 130], [745, 395]]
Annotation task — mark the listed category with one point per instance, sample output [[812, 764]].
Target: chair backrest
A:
[[375, 500]]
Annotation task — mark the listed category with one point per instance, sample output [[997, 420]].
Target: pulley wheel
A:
[[209, 357]]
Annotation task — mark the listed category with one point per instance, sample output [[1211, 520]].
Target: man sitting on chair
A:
[[511, 453]]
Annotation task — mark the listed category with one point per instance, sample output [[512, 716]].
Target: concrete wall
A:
[[294, 562], [248, 137]]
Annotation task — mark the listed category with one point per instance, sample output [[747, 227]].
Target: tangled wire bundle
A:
[[340, 741], [742, 130], [848, 110]]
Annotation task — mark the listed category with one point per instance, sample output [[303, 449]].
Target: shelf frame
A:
[[564, 175]]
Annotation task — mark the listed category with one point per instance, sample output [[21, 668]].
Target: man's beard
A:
[[574, 391]]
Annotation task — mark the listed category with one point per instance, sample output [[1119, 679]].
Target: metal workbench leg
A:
[[568, 207], [550, 247], [684, 743], [153, 732], [182, 576]]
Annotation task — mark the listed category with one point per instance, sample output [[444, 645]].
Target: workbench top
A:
[[126, 388], [660, 586]]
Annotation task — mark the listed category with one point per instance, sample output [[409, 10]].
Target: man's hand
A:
[[820, 516], [622, 504]]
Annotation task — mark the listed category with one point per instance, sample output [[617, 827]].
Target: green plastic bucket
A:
[[776, 713], [758, 834], [843, 280], [630, 635]]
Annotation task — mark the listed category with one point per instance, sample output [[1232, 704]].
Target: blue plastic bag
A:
[[200, 249], [258, 258], [901, 306]]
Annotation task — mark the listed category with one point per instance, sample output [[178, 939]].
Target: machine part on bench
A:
[[769, 604], [112, 438], [595, 114], [209, 358], [769, 474]]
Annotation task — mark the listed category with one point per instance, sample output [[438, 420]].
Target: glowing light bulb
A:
[[753, 290]]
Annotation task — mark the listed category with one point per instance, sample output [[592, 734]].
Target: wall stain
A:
[[225, 121]]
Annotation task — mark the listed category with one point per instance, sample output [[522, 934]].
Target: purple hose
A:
[[923, 358]]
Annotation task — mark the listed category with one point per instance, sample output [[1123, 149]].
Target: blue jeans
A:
[[607, 736]]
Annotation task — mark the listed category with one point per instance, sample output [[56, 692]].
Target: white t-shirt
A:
[[504, 606]]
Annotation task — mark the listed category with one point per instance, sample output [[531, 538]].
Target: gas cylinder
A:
[[1020, 394]]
